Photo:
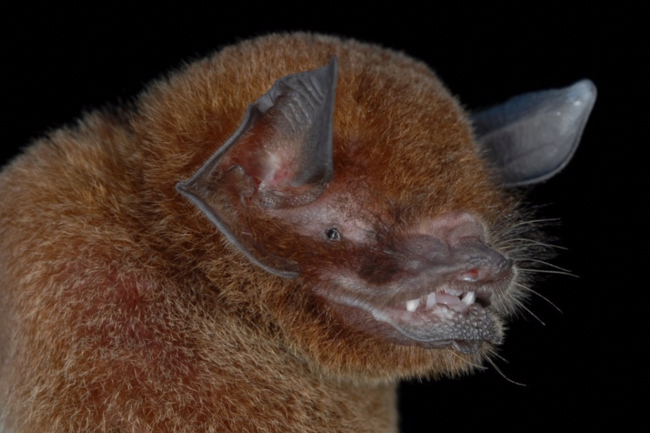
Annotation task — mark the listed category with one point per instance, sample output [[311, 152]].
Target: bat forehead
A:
[[383, 98], [399, 136], [412, 154]]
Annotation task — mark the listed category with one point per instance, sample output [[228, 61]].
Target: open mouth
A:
[[444, 317]]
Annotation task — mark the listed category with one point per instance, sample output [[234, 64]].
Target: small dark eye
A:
[[333, 235]]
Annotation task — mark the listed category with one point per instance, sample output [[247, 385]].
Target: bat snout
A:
[[479, 263], [452, 250]]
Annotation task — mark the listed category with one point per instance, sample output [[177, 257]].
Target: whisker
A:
[[522, 306], [488, 358], [547, 264], [493, 364], [500, 357], [531, 222], [534, 292], [534, 242], [546, 271], [477, 366]]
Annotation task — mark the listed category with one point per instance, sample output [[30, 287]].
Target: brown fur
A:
[[124, 310]]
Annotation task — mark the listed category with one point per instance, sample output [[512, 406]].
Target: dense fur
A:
[[124, 310]]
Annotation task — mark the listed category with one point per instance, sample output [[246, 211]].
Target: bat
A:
[[268, 240]]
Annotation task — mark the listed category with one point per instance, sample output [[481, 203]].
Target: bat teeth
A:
[[451, 291], [412, 305], [469, 298], [431, 300]]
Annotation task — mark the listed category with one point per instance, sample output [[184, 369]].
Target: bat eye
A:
[[333, 235]]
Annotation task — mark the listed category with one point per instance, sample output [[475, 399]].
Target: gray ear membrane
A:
[[280, 157], [532, 137]]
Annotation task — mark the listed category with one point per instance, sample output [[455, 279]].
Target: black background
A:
[[585, 367]]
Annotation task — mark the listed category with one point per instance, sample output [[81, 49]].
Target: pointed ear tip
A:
[[586, 83], [585, 89], [333, 65]]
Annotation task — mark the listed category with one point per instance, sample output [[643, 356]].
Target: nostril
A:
[[482, 271], [480, 263], [470, 276]]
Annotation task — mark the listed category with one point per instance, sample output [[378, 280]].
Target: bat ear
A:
[[532, 137], [279, 157]]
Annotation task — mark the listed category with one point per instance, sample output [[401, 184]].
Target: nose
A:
[[453, 246], [478, 263], [469, 260]]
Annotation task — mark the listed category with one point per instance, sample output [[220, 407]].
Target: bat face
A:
[[295, 215], [366, 185]]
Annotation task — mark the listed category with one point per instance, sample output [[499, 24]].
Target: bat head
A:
[[357, 211]]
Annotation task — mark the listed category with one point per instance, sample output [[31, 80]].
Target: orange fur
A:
[[124, 310]]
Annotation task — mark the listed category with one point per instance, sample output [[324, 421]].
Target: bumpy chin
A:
[[443, 326], [379, 343], [449, 318]]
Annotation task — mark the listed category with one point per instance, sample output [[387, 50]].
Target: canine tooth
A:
[[412, 304], [453, 292], [469, 298], [431, 300]]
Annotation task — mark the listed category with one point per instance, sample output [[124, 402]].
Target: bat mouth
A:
[[445, 317]]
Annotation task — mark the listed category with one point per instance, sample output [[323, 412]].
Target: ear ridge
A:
[[532, 137], [302, 106], [280, 156]]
